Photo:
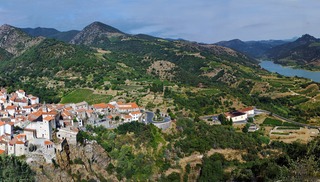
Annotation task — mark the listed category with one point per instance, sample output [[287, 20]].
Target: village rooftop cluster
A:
[[27, 125]]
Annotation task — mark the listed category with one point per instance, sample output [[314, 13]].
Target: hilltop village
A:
[[27, 125]]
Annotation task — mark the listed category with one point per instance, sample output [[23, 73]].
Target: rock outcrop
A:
[[75, 163]]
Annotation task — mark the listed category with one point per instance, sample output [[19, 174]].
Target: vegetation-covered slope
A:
[[196, 151], [13, 169], [304, 53]]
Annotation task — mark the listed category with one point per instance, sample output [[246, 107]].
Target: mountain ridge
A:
[[255, 49], [15, 41], [304, 53]]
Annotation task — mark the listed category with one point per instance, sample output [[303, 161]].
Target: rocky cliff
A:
[[75, 163]]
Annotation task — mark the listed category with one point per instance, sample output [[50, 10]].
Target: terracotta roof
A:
[[65, 113], [246, 109], [48, 118], [81, 110], [10, 123], [111, 106], [136, 112], [47, 142], [128, 106], [2, 151], [100, 106], [89, 111], [19, 142], [53, 112], [2, 123], [127, 116], [11, 107], [35, 115], [21, 135]]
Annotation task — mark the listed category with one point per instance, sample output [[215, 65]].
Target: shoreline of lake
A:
[[290, 71]]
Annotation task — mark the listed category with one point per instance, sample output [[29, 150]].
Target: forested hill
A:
[[101, 53], [304, 52]]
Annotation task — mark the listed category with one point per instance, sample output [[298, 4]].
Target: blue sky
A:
[[196, 20]]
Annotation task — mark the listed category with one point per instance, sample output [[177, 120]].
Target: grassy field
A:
[[87, 95], [272, 122]]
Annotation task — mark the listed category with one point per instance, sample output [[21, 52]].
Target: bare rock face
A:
[[14, 41], [76, 163]]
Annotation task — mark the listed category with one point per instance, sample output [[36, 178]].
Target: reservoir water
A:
[[288, 71]]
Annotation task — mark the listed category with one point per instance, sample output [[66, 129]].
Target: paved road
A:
[[150, 115], [285, 119]]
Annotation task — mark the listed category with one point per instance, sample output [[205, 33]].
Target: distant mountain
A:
[[15, 41], [97, 34], [51, 33], [255, 49], [304, 52]]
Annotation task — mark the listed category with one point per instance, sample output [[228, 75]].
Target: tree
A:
[[222, 118], [117, 118], [250, 119], [245, 129], [196, 118]]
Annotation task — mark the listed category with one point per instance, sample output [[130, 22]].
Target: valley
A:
[[181, 79]]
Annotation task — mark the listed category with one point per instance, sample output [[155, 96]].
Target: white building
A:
[[43, 126], [249, 111], [18, 145], [68, 133], [34, 100], [21, 93], [135, 115], [127, 108], [236, 116]]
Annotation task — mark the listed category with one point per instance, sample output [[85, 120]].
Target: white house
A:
[[11, 110], [21, 93], [27, 109], [127, 118], [126, 108], [43, 126], [34, 100], [236, 116], [135, 115], [249, 111], [8, 128], [18, 145]]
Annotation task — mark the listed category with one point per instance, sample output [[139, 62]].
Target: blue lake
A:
[[288, 71]]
